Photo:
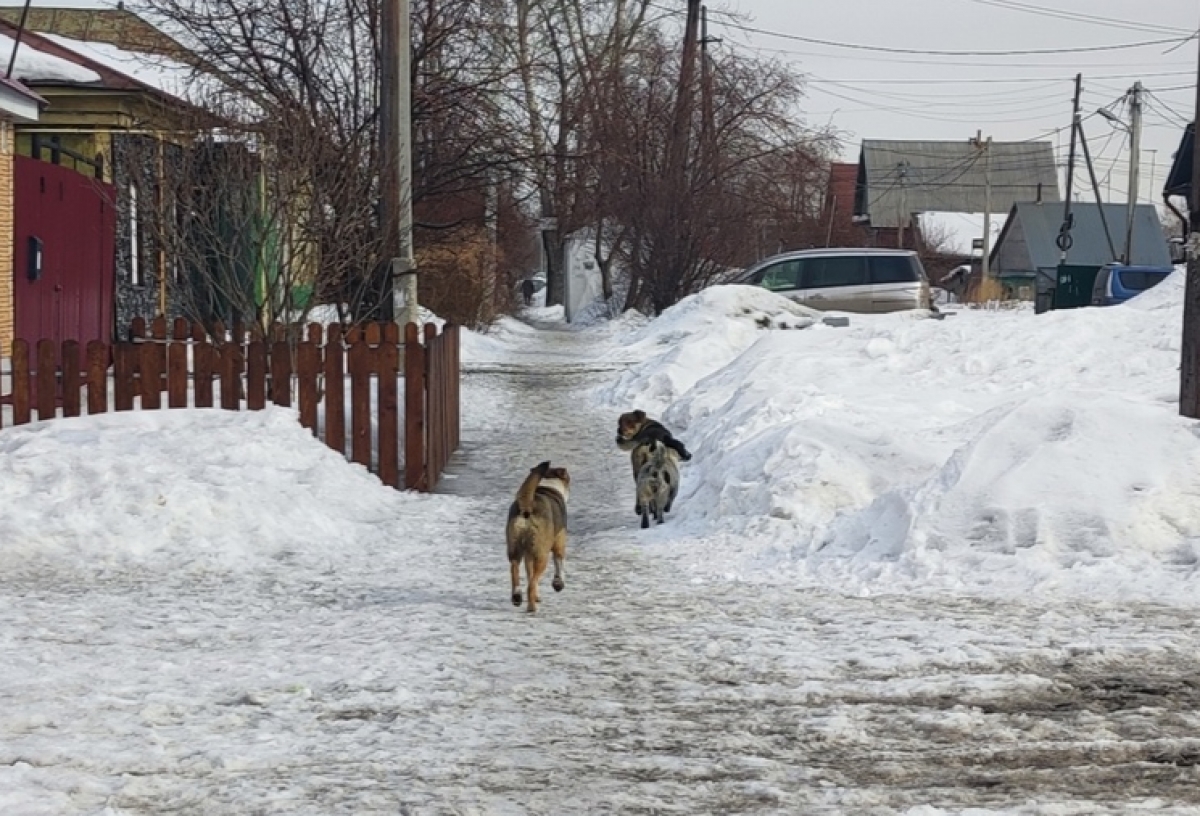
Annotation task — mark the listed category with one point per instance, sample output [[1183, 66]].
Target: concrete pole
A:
[[395, 135]]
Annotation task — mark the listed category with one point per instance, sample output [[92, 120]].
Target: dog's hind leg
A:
[[559, 551], [534, 567], [515, 568]]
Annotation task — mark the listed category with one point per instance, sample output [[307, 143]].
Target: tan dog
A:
[[635, 431], [537, 530]]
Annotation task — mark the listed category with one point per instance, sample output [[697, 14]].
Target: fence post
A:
[[202, 360], [151, 382], [308, 371], [231, 376], [97, 377], [281, 371], [20, 383], [177, 365], [414, 409], [360, 401], [388, 369], [70, 378], [124, 361], [433, 414], [158, 330], [47, 380], [256, 375], [335, 390]]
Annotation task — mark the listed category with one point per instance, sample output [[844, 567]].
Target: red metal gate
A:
[[69, 219]]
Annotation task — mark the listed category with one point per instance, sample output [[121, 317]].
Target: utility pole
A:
[[985, 147], [395, 157], [707, 125], [1189, 362], [1065, 243], [1087, 157], [902, 172], [1135, 148]]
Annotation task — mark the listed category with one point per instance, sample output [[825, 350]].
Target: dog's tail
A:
[[529, 488]]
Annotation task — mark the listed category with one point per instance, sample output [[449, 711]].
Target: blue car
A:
[[1117, 283]]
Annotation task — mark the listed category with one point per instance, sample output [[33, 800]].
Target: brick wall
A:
[[7, 314]]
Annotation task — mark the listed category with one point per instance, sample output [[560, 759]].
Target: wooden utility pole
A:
[[985, 147], [1189, 362], [1135, 150], [708, 131], [1065, 230], [395, 159]]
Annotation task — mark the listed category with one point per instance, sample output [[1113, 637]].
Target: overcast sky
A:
[[872, 94]]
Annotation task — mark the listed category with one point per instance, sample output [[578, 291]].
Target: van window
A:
[[779, 277], [833, 270], [1139, 280], [893, 269]]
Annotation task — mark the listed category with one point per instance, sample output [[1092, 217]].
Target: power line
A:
[[939, 53], [993, 80], [1093, 19]]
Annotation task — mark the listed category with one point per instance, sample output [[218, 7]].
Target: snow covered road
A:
[[397, 678]]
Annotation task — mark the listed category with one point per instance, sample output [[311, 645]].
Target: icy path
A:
[[402, 684]]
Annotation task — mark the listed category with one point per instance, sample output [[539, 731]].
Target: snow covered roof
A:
[[34, 65], [159, 73]]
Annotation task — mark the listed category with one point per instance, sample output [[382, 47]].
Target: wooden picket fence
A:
[[240, 369]]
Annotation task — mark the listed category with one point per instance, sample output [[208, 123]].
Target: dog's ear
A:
[[558, 473], [639, 415], [541, 469]]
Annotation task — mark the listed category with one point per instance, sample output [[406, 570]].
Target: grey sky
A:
[[869, 100]]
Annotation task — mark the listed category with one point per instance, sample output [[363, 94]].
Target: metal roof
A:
[[1039, 225], [896, 177]]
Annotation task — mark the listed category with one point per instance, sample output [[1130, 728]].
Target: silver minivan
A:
[[846, 280]]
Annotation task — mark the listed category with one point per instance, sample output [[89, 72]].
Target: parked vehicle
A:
[[846, 280], [1117, 283]]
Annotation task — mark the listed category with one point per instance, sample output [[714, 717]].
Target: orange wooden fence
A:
[[244, 370]]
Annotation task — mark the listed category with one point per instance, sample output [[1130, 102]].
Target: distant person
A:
[[527, 288]]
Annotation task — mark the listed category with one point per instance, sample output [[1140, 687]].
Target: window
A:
[[780, 277], [1139, 280], [834, 270], [136, 275], [893, 269]]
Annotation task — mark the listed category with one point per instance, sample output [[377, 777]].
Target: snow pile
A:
[[188, 489], [996, 450], [696, 336]]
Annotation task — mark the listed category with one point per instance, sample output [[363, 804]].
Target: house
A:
[[837, 212], [896, 179], [1026, 257], [18, 105], [95, 186]]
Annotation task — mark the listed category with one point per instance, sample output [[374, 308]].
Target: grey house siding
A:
[[1012, 256], [135, 160]]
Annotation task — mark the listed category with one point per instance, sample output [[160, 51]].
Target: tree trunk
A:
[[552, 246]]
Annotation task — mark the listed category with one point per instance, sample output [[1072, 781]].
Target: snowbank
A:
[[997, 451], [188, 489], [694, 337]]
